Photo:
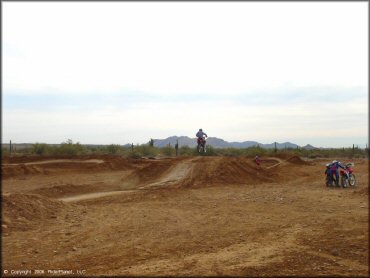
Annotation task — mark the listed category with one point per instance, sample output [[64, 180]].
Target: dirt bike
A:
[[201, 147], [347, 176]]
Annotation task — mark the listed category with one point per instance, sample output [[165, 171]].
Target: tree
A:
[[151, 142]]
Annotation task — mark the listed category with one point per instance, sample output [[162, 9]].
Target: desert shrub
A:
[[113, 149], [146, 150], [210, 151], [151, 142], [168, 150], [70, 148], [186, 151], [232, 152], [255, 150], [139, 151], [5, 152], [41, 149]]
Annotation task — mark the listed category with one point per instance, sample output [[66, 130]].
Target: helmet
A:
[[327, 164], [200, 129], [334, 161]]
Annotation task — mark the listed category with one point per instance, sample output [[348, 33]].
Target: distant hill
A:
[[309, 147], [220, 143]]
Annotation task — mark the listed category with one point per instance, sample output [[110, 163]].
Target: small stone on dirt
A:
[[4, 226], [74, 249], [334, 252]]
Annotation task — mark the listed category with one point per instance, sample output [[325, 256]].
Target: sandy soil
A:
[[199, 216]]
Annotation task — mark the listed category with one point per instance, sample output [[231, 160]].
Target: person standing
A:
[[257, 160], [334, 171]]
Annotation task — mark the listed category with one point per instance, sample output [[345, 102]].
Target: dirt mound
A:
[[26, 211], [20, 170], [149, 171], [225, 170], [283, 156], [297, 160], [64, 190], [19, 166]]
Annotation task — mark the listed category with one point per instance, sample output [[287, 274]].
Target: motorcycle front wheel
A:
[[344, 181], [352, 180], [200, 148]]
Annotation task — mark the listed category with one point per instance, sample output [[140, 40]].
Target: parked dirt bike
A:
[[201, 148], [346, 175]]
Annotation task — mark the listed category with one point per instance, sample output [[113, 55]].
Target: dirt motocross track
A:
[[186, 216]]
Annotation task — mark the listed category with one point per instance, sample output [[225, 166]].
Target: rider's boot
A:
[[337, 183]]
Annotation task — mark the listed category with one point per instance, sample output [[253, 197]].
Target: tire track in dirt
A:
[[169, 177], [82, 197], [175, 175]]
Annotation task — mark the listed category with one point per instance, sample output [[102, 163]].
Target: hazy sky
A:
[[122, 72]]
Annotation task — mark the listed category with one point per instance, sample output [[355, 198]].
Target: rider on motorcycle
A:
[[334, 171], [200, 135]]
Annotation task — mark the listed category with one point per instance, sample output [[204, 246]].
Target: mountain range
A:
[[220, 143]]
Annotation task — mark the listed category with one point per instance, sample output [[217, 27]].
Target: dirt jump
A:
[[183, 216]]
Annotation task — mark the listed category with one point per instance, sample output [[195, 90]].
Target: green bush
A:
[[168, 151], [5, 152], [41, 149], [186, 151], [70, 148], [113, 149], [146, 150]]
